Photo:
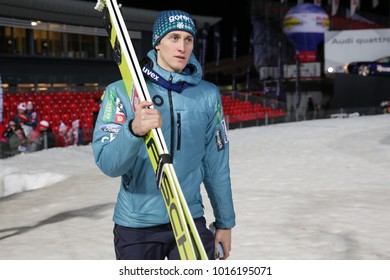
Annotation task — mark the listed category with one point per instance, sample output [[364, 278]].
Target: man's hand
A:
[[224, 236], [145, 118]]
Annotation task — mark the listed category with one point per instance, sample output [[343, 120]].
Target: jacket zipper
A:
[[178, 124], [172, 121]]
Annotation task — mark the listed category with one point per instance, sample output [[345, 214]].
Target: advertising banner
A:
[[347, 46]]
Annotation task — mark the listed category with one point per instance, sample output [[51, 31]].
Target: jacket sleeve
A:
[[216, 166], [114, 146]]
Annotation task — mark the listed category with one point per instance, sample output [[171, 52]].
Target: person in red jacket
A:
[[41, 138], [62, 139]]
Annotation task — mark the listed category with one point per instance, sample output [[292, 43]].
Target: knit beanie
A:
[[169, 21]]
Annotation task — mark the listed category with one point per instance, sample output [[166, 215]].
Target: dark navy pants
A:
[[156, 243]]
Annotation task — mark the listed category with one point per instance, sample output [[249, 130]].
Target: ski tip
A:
[[99, 5]]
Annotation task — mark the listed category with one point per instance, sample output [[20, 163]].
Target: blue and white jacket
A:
[[196, 137]]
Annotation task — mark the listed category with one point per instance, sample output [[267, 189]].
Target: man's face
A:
[[174, 50]]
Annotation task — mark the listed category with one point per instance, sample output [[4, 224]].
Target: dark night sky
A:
[[235, 15]]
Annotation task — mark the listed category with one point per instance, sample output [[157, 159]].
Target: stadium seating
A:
[[54, 107], [237, 110], [67, 106]]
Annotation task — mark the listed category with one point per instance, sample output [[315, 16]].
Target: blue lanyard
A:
[[157, 79]]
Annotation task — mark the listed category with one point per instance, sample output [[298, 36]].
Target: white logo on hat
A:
[[180, 17], [180, 25]]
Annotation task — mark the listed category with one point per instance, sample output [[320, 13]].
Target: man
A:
[[31, 115], [13, 140], [189, 112], [20, 117]]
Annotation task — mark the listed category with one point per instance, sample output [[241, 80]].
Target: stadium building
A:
[[52, 43]]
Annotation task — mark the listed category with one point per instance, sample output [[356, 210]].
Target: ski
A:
[[188, 241]]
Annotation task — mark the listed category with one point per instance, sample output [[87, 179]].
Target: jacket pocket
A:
[[126, 179]]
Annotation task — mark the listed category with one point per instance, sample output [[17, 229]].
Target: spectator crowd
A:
[[26, 132]]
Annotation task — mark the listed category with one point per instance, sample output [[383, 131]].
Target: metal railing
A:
[[290, 115]]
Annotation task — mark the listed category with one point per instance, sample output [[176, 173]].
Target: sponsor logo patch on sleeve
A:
[[109, 109], [219, 141], [221, 121], [112, 129], [134, 98], [120, 116], [224, 129]]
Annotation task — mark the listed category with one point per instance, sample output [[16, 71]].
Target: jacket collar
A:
[[191, 75]]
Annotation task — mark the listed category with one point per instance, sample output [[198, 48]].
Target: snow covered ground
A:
[[310, 190]]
